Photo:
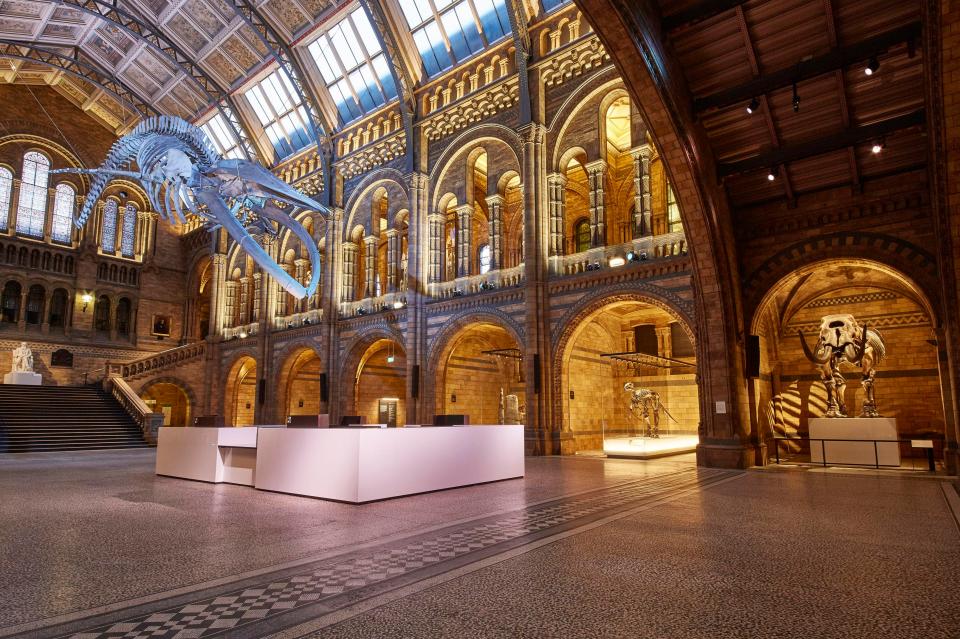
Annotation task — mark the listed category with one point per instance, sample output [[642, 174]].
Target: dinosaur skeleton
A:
[[182, 173], [643, 403], [841, 340]]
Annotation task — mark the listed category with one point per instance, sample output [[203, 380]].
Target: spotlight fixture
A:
[[872, 66], [617, 261], [361, 311], [457, 292], [772, 174], [878, 146], [596, 266], [632, 257], [753, 106], [306, 321], [242, 335], [643, 256], [86, 298], [796, 99], [398, 304]]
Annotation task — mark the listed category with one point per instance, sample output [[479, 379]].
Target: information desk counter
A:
[[365, 464], [217, 455]]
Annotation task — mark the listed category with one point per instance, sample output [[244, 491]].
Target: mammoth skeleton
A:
[[182, 173], [841, 340]]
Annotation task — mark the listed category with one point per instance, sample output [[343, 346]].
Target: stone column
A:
[[556, 209], [257, 288], [664, 342], [230, 304], [144, 225], [244, 301], [597, 172], [349, 271], [495, 231], [435, 224], [24, 294], [370, 265], [393, 259], [464, 241], [300, 268], [45, 313], [642, 208], [217, 293]]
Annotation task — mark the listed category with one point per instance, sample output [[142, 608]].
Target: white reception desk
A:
[[365, 464], [217, 455]]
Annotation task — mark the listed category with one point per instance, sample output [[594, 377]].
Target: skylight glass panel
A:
[[278, 108], [353, 67], [550, 5], [222, 137], [449, 31]]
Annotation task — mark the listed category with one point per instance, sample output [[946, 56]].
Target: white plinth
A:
[[217, 455], [854, 452], [365, 464], [23, 377], [650, 447]]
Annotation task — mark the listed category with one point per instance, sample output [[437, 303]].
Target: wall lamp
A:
[[398, 304], [86, 298], [617, 261]]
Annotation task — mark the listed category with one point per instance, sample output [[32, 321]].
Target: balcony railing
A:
[[297, 320], [164, 359], [369, 305], [645, 248], [472, 284], [241, 332]]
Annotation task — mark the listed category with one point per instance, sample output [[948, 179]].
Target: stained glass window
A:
[[278, 107], [108, 230], [63, 203], [32, 208], [353, 66], [6, 186], [129, 229], [223, 138], [449, 31]]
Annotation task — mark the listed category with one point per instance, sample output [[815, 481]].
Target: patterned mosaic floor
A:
[[270, 603]]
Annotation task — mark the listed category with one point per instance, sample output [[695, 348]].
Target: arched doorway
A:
[[789, 391], [171, 400], [379, 385], [481, 364], [647, 347], [300, 385], [241, 396]]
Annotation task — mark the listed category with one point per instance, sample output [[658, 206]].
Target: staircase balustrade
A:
[[147, 420], [161, 360]]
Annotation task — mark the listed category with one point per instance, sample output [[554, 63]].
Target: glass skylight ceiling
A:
[[279, 110], [222, 137], [449, 31], [550, 5], [353, 66]]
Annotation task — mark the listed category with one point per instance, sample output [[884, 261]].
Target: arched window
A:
[[108, 231], [35, 302], [673, 212], [129, 227], [10, 302], [101, 314], [58, 308], [32, 208], [6, 187], [123, 317], [582, 234], [60, 230], [483, 257]]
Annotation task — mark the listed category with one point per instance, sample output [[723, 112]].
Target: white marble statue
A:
[[22, 359]]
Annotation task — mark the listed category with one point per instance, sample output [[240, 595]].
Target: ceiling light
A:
[[390, 359], [796, 99], [753, 106], [878, 146], [617, 261], [772, 174], [873, 66]]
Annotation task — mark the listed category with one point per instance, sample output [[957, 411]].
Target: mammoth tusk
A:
[[806, 351]]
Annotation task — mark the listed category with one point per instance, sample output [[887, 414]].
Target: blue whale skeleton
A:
[[181, 172]]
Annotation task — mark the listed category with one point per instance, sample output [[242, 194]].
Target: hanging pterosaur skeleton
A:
[[182, 173]]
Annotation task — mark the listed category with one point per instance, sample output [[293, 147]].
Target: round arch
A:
[[298, 386], [240, 391], [373, 376], [172, 397]]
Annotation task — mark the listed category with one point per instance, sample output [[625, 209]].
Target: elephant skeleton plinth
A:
[[843, 340]]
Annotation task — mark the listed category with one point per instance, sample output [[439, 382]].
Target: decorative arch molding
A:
[[461, 321], [585, 308], [45, 141], [173, 381], [910, 261], [369, 185], [682, 310], [226, 401], [466, 141], [352, 354], [284, 361], [602, 83]]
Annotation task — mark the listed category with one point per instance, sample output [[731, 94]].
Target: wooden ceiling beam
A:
[[838, 58], [849, 137]]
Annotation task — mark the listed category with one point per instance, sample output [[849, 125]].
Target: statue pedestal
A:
[[23, 377], [857, 452]]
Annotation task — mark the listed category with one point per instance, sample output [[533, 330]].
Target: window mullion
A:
[[477, 23]]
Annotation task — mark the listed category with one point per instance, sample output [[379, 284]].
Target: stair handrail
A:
[[162, 359], [146, 419]]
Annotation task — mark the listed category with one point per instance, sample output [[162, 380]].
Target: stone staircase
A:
[[62, 418]]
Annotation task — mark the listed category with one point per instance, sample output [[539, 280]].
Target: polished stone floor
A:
[[94, 545]]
